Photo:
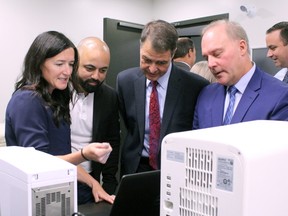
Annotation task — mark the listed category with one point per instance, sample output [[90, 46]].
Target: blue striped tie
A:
[[229, 112]]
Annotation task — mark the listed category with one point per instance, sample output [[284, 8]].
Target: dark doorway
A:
[[123, 39], [259, 56]]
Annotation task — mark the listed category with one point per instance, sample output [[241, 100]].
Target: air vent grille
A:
[[53, 200], [195, 197]]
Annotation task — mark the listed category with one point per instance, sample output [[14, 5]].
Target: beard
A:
[[90, 85]]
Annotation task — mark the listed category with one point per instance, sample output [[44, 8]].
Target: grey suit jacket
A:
[[183, 89], [182, 65]]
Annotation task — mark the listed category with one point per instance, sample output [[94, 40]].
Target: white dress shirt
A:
[[81, 127], [161, 89], [281, 73]]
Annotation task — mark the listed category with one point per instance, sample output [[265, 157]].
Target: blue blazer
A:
[[182, 93], [265, 98]]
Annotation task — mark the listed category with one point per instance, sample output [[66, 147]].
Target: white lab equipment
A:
[[238, 169], [35, 183]]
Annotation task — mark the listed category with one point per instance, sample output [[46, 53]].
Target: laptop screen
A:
[[138, 194]]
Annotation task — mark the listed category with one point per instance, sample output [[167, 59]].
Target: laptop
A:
[[138, 194]]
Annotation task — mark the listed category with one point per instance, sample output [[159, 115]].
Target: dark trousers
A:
[[144, 165], [84, 194]]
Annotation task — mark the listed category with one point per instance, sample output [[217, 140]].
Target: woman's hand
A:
[[97, 152], [100, 195]]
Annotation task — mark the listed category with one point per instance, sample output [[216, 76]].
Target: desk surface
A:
[[93, 209]]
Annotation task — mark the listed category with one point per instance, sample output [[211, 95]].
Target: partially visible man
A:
[[185, 54], [156, 98], [243, 91], [277, 44], [95, 117]]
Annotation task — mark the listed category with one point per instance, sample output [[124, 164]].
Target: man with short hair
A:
[[173, 91], [277, 44], [185, 54], [95, 118], [243, 92]]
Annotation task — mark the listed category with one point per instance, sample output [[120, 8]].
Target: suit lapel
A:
[[140, 98], [97, 112], [172, 95], [217, 108], [249, 96]]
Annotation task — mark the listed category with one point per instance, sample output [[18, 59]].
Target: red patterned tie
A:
[[154, 124]]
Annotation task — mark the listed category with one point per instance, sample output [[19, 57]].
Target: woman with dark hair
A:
[[38, 113]]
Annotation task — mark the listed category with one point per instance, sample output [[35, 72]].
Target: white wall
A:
[[267, 13], [22, 20]]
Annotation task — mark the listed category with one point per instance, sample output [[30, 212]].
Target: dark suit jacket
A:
[[106, 128], [182, 93], [265, 98], [182, 65]]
